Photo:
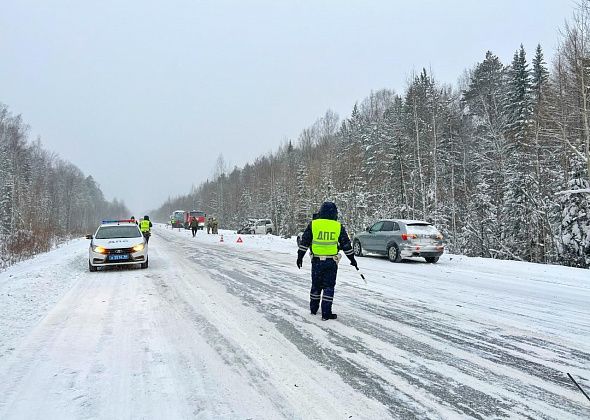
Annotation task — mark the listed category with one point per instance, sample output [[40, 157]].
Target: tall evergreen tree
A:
[[485, 156], [522, 220], [518, 106]]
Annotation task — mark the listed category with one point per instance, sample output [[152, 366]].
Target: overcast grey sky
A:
[[144, 95]]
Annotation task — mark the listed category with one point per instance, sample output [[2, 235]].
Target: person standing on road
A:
[[145, 226], [194, 226], [324, 235], [214, 225]]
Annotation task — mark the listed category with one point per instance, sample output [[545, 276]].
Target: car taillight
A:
[[406, 236]]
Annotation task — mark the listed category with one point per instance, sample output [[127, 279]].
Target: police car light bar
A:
[[119, 221]]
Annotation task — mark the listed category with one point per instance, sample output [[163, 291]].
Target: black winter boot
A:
[[331, 316]]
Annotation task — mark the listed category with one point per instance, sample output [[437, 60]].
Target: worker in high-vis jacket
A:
[[325, 236], [145, 225]]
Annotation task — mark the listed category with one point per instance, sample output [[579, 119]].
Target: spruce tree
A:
[[484, 156], [575, 222], [518, 107], [522, 221]]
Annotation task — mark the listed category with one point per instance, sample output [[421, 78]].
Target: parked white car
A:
[[257, 227], [117, 242]]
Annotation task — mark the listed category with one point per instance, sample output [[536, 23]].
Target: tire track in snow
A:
[[445, 388], [250, 290], [251, 285], [232, 355], [401, 404]]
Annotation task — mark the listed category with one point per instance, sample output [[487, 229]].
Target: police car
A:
[[117, 242]]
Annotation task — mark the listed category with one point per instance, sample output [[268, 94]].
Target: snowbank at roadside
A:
[[29, 288]]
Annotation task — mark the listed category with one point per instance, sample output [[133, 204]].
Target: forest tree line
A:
[[500, 163], [43, 199]]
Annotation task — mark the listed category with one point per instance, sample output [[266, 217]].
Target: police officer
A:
[[324, 234], [214, 226], [145, 225]]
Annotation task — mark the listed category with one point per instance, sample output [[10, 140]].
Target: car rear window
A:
[[110, 232], [422, 228]]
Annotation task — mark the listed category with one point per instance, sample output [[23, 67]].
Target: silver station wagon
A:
[[398, 239]]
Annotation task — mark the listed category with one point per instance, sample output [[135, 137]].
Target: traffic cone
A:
[[239, 240], [221, 238]]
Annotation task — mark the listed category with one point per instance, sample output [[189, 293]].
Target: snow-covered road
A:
[[222, 330]]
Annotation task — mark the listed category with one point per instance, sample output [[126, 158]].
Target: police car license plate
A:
[[118, 257]]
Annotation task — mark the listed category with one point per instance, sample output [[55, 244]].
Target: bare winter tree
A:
[[43, 199]]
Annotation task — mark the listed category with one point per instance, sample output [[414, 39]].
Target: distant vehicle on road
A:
[[399, 238], [177, 218], [117, 242], [195, 214], [257, 227]]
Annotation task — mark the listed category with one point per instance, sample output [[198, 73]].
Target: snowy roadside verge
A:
[[30, 288], [487, 266], [8, 259]]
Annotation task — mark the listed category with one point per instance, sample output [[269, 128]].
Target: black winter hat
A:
[[328, 211]]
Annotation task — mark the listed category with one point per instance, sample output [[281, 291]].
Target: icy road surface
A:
[[222, 330]]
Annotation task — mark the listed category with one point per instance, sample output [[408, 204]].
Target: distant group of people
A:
[[212, 225]]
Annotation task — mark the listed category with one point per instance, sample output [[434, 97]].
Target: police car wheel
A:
[[92, 268], [357, 248]]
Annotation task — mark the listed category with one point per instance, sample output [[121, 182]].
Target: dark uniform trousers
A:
[[323, 278]]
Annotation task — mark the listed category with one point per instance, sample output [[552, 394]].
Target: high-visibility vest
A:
[[144, 226], [325, 234]]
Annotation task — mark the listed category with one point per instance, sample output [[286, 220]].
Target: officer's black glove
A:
[[299, 262], [353, 262]]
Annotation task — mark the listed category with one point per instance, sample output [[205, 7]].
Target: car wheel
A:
[[145, 264], [268, 231], [91, 267], [357, 248], [394, 254], [431, 260]]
